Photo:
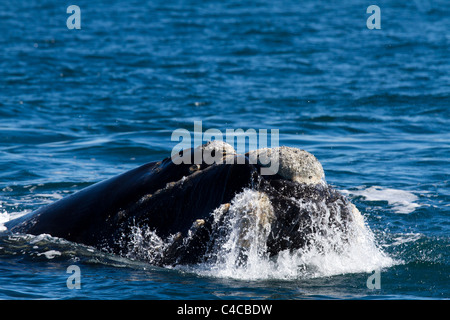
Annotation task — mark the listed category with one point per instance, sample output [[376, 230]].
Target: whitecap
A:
[[401, 201], [50, 254], [6, 216]]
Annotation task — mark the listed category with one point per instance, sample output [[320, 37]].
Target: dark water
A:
[[79, 106]]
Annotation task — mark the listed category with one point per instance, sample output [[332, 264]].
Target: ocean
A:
[[78, 106]]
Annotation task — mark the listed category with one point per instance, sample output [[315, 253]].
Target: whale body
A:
[[171, 213]]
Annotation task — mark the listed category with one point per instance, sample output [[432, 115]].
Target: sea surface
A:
[[78, 106]]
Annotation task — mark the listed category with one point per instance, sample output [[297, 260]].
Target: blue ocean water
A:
[[80, 106]]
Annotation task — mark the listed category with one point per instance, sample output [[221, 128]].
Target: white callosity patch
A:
[[215, 152], [218, 146], [291, 163], [212, 152]]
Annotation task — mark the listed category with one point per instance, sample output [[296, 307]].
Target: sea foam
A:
[[401, 201]]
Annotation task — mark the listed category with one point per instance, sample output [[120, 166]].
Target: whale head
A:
[[203, 204], [268, 211]]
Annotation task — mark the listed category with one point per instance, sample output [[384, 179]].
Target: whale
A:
[[169, 212]]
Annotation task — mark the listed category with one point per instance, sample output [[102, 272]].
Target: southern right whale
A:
[[180, 213]]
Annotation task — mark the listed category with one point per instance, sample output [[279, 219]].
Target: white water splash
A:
[[145, 244], [6, 216], [50, 254], [331, 254], [401, 201], [244, 248], [242, 253]]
